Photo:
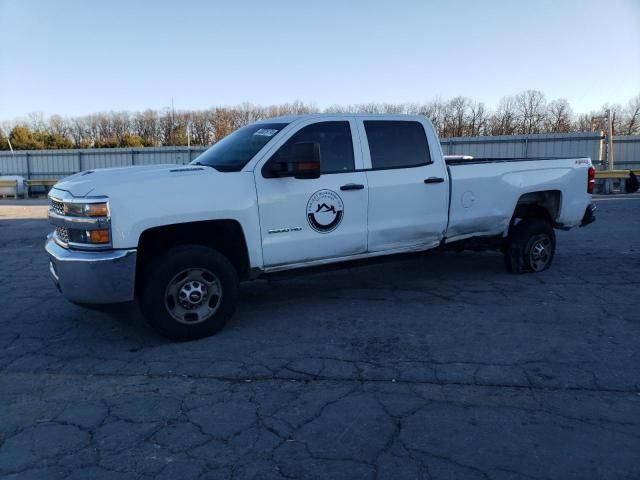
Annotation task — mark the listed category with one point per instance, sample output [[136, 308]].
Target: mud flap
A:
[[589, 215]]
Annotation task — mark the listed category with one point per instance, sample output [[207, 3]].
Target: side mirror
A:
[[302, 161]]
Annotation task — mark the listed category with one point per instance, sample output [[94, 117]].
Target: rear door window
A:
[[397, 143]]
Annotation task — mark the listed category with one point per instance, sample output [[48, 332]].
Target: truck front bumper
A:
[[92, 277]]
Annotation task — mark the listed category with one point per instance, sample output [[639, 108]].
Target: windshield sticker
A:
[[266, 132]]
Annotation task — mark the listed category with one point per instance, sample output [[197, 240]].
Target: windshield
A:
[[234, 151]]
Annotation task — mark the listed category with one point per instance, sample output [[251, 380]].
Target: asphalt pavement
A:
[[430, 366]]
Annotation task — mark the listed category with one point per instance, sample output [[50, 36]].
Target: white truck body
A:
[[359, 211]]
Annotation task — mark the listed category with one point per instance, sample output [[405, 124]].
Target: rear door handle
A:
[[352, 186], [434, 180]]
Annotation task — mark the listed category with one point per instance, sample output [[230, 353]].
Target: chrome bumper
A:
[[92, 276]]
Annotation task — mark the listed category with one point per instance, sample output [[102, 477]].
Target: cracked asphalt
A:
[[431, 366]]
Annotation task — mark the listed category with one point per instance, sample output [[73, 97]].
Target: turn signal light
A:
[[591, 182], [98, 236], [96, 210]]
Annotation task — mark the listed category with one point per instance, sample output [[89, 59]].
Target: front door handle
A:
[[434, 180], [352, 186]]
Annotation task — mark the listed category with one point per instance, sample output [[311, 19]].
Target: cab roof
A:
[[293, 118]]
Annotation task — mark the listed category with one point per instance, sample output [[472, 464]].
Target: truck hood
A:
[[145, 197], [101, 181]]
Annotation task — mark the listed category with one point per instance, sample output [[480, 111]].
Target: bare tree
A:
[[83, 131], [531, 106], [36, 121], [559, 116], [147, 126], [434, 110], [93, 126], [370, 107], [222, 123], [586, 122], [300, 108], [120, 125], [104, 126], [246, 113], [393, 108], [202, 127], [59, 126], [476, 119], [168, 125], [631, 122], [504, 119], [335, 109], [617, 116], [527, 112], [455, 115]]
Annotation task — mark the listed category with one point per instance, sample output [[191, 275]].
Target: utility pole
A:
[[610, 145], [8, 140], [608, 159]]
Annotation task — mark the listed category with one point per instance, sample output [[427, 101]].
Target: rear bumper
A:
[[92, 277], [589, 215]]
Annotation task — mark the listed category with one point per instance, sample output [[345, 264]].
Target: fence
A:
[[526, 146], [626, 152], [626, 148], [35, 164], [54, 164]]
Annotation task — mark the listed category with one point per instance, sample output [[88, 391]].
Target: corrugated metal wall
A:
[[54, 164], [626, 152], [584, 144]]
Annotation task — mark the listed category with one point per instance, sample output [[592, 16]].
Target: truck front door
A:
[[306, 220]]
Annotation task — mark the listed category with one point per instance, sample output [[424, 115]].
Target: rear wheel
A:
[[530, 247], [190, 292]]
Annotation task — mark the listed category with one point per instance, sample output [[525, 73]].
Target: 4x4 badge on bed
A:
[[325, 211]]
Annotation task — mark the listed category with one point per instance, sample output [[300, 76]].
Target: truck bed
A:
[[485, 191]]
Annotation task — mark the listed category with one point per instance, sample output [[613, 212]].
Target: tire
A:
[[530, 247], [190, 292]]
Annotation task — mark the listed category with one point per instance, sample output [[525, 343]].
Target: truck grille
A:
[[62, 234], [57, 207]]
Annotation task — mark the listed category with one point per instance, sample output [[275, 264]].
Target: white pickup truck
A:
[[295, 192]]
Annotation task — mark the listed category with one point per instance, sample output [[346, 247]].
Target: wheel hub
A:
[[539, 251], [192, 294], [540, 256]]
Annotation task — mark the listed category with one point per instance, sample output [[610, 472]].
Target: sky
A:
[[75, 57]]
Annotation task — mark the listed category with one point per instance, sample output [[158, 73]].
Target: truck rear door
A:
[[408, 187]]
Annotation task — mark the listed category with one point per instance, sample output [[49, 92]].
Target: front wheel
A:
[[530, 247], [190, 292]]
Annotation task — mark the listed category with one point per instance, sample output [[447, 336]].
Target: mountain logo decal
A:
[[325, 211]]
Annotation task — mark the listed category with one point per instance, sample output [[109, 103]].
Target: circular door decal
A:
[[324, 211]]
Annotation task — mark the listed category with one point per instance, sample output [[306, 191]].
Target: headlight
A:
[[81, 223], [86, 209]]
